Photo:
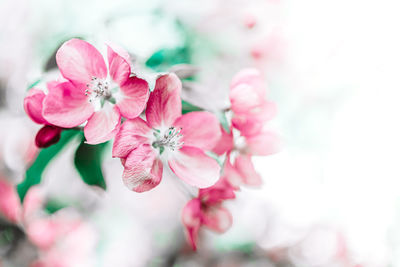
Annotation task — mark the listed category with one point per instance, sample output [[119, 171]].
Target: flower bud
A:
[[47, 136]]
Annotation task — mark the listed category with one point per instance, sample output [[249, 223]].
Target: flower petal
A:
[[66, 106], [103, 125], [118, 65], [245, 167], [80, 61], [164, 105], [231, 174], [249, 76], [263, 144], [143, 170], [33, 105], [132, 134], [217, 218], [244, 98], [42, 232], [33, 203], [199, 129], [10, 205], [135, 95], [225, 142], [48, 135], [191, 218], [194, 167], [222, 190]]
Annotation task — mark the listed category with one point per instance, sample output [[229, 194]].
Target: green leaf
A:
[[33, 175], [88, 160], [187, 107], [163, 59]]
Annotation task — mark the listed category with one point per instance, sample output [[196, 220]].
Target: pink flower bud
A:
[[47, 136]]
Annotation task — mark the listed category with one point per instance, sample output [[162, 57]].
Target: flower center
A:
[[170, 138], [97, 89]]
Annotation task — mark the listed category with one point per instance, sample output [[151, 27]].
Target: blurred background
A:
[[331, 197]]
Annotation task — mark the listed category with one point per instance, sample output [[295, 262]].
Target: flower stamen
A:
[[97, 89], [170, 139]]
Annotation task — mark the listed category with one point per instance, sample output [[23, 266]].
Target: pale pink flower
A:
[[170, 137], [207, 210], [64, 240], [94, 93], [247, 136]]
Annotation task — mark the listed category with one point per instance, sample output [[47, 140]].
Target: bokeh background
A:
[[330, 197]]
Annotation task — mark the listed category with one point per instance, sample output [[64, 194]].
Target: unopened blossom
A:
[[207, 210], [93, 92], [167, 138]]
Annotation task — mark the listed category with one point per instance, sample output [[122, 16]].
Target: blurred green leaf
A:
[[163, 59], [33, 84], [33, 175], [187, 107], [88, 161], [54, 205]]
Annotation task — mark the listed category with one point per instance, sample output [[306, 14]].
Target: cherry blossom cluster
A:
[[246, 137], [149, 131]]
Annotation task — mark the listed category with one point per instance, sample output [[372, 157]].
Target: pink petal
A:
[[231, 174], [217, 218], [222, 190], [10, 206], [194, 167], [245, 167], [119, 66], [66, 106], [103, 125], [244, 98], [79, 61], [33, 105], [33, 202], [247, 126], [132, 134], [164, 105], [225, 143], [191, 218], [199, 129], [143, 170], [135, 95], [42, 232], [263, 144], [48, 135], [250, 76]]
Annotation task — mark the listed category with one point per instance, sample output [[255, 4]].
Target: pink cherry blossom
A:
[[94, 93], [207, 210], [180, 141], [247, 135]]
